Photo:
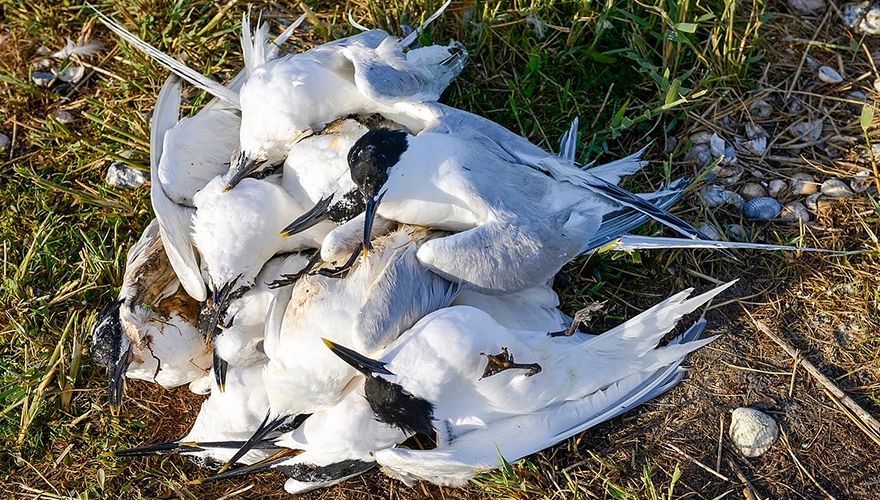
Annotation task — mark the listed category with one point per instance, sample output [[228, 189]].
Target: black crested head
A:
[[106, 344], [373, 155], [393, 405]]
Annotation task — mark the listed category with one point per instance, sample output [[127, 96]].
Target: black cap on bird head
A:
[[369, 161]]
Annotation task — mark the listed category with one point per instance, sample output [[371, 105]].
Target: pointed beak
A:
[[260, 466], [116, 384], [266, 427], [361, 363], [372, 204], [319, 213], [209, 318], [220, 367], [241, 167]]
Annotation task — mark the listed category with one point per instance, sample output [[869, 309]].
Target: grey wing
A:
[[509, 256], [400, 296], [174, 220]]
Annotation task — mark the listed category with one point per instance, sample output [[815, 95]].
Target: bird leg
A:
[[581, 318], [342, 271], [504, 361]]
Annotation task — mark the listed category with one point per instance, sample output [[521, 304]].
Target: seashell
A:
[[836, 188], [829, 75], [777, 188], [795, 211], [752, 432], [858, 95], [43, 78], [715, 196], [761, 109], [755, 131], [4, 142], [811, 129], [753, 190], [716, 145], [123, 176], [64, 116], [42, 50], [757, 146], [71, 74], [803, 184], [763, 208], [737, 232], [862, 16], [700, 155], [709, 230], [862, 181], [728, 174], [812, 201], [701, 137], [807, 6], [877, 84]]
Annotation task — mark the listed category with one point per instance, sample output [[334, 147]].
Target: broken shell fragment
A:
[[701, 137], [43, 78], [761, 109], [836, 188], [123, 176], [753, 190], [807, 6], [794, 211], [752, 432], [810, 129], [4, 142], [862, 181], [829, 75], [700, 155], [64, 116], [777, 188], [709, 230], [812, 201], [737, 232], [715, 196], [72, 74], [862, 16], [763, 208], [803, 184], [728, 174]]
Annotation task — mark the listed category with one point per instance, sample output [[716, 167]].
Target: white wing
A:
[[174, 220]]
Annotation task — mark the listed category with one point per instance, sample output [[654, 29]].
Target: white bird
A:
[[287, 98], [225, 420], [240, 339], [150, 332], [478, 388]]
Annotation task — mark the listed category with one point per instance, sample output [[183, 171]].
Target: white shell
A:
[[715, 196], [810, 129], [123, 176], [752, 432], [807, 6], [836, 188], [803, 184], [862, 181], [64, 116], [876, 86], [761, 109], [753, 190], [795, 211], [777, 188], [812, 201], [4, 141], [763, 208], [829, 75]]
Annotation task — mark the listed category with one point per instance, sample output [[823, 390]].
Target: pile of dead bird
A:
[[341, 263]]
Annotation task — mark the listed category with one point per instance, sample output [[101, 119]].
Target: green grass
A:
[[631, 70]]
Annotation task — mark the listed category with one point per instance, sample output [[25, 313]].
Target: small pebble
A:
[[829, 75], [862, 181], [752, 432], [761, 109], [777, 188], [807, 6], [4, 142], [764, 208], [753, 190], [701, 137], [812, 202], [795, 211], [64, 116], [43, 78], [836, 188], [737, 232], [122, 176], [803, 184]]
